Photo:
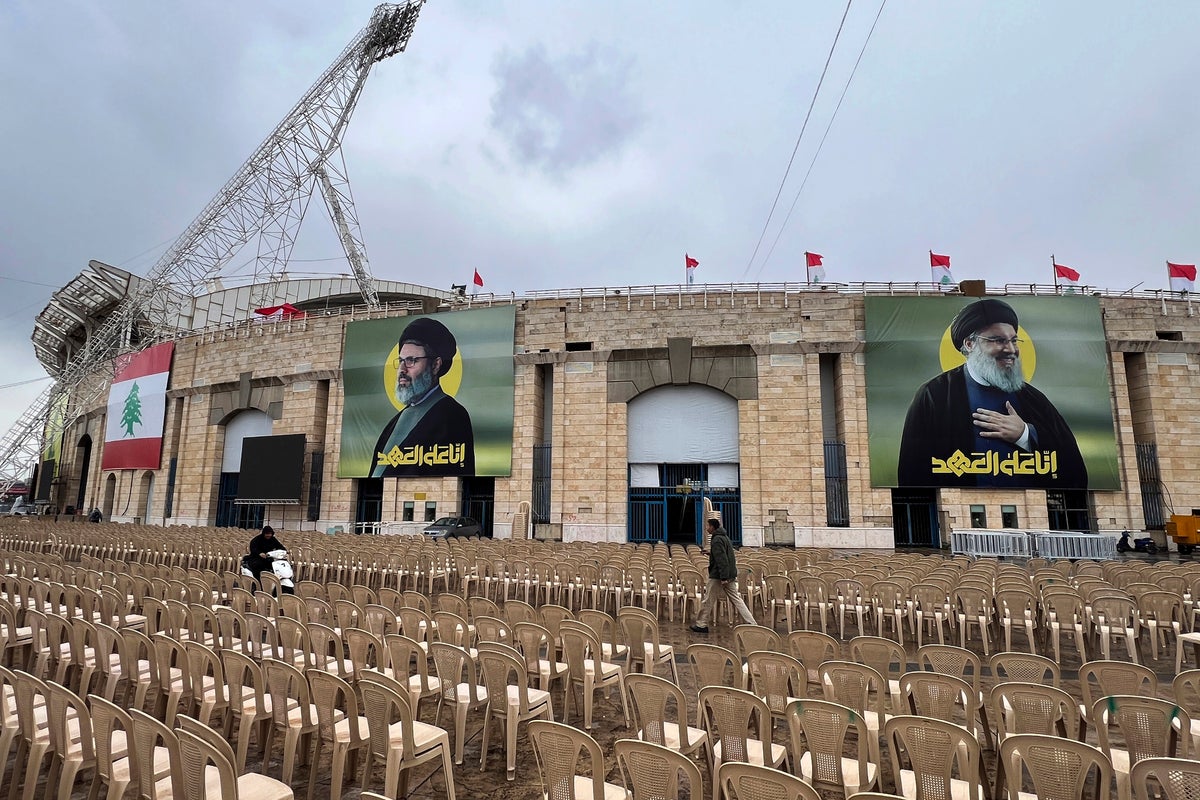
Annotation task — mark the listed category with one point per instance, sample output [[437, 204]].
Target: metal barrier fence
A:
[[1000, 544], [1059, 544]]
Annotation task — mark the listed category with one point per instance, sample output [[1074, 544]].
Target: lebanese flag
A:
[[816, 268], [285, 311], [1182, 276], [137, 409], [939, 265], [1065, 275], [689, 266], [478, 281]]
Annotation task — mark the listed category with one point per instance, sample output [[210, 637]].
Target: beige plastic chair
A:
[[1017, 608], [292, 711], [536, 643], [930, 607], [1065, 615], [738, 724], [509, 699], [1025, 668], [31, 697], [72, 743], [813, 648], [1116, 619], [862, 689], [605, 627], [1151, 728], [113, 732], [1175, 778], [207, 769], [850, 596], [940, 757], [653, 772], [820, 735], [557, 747], [1161, 613], [585, 669], [814, 598], [777, 678], [1058, 768], [408, 663], [944, 697], [887, 657], [461, 689], [960, 663], [738, 781], [153, 742], [248, 703], [403, 744], [1186, 691], [339, 726], [713, 665], [646, 649], [1033, 708], [890, 601], [210, 692], [1103, 678], [651, 698]]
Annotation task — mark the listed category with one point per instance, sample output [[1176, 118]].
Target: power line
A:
[[813, 163], [807, 116], [25, 383]]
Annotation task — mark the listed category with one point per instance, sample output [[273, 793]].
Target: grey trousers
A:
[[713, 592]]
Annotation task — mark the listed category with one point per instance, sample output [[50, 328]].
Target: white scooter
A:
[[279, 565]]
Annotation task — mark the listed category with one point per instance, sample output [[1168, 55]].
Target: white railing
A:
[[997, 544], [1060, 544]]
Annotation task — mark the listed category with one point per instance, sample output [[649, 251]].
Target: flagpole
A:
[[1054, 272], [807, 269]]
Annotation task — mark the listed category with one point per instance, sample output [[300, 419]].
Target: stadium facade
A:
[[613, 414]]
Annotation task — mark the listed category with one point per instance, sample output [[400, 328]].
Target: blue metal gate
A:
[[665, 514]]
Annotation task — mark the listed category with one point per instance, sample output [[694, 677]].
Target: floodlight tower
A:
[[267, 197]]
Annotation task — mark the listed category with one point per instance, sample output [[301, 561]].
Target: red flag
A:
[[285, 311], [689, 262], [1182, 277], [813, 259], [936, 260], [478, 279], [1066, 273]]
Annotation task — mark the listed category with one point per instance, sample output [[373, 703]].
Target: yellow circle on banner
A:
[[951, 357], [450, 381]]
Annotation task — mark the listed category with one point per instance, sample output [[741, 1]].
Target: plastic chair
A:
[[248, 703], [961, 663], [509, 699], [113, 732], [460, 688], [645, 645], [339, 725], [942, 758], [1065, 614], [777, 678], [738, 724], [557, 747], [582, 649], [930, 606], [605, 627], [403, 744], [1025, 667], [153, 742], [751, 782], [1176, 778], [198, 751], [1151, 728], [1186, 691], [1017, 607], [819, 733], [651, 698], [653, 772], [813, 649], [292, 711], [944, 697], [1058, 768], [536, 645], [1116, 619], [713, 665], [860, 688], [887, 657], [1103, 678], [1033, 708]]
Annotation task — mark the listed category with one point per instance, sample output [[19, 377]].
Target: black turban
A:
[[979, 315], [435, 337]]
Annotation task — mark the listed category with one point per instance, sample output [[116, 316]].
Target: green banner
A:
[[429, 395], [1006, 392]]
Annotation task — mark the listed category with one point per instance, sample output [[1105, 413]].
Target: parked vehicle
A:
[[454, 526], [17, 508], [1143, 545]]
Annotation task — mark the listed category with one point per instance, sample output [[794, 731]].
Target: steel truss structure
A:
[[268, 196]]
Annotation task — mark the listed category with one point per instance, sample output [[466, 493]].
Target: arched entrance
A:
[[146, 497], [245, 424], [683, 447], [110, 495]]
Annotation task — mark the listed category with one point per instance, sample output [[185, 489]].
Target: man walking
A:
[[722, 578]]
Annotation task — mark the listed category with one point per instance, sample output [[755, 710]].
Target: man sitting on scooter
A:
[[260, 546]]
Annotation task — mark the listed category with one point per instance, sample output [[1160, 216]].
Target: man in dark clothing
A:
[[722, 578], [433, 434], [981, 424], [95, 516], [260, 546]]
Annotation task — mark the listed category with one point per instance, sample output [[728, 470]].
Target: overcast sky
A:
[[583, 144]]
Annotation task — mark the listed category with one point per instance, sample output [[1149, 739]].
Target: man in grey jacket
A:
[[722, 578]]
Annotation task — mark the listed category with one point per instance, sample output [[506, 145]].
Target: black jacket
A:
[[722, 563], [260, 544], [446, 423]]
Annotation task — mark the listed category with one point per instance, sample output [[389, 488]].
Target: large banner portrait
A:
[[1006, 392], [429, 395]]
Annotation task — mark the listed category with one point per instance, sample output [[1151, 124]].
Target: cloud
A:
[[560, 114]]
